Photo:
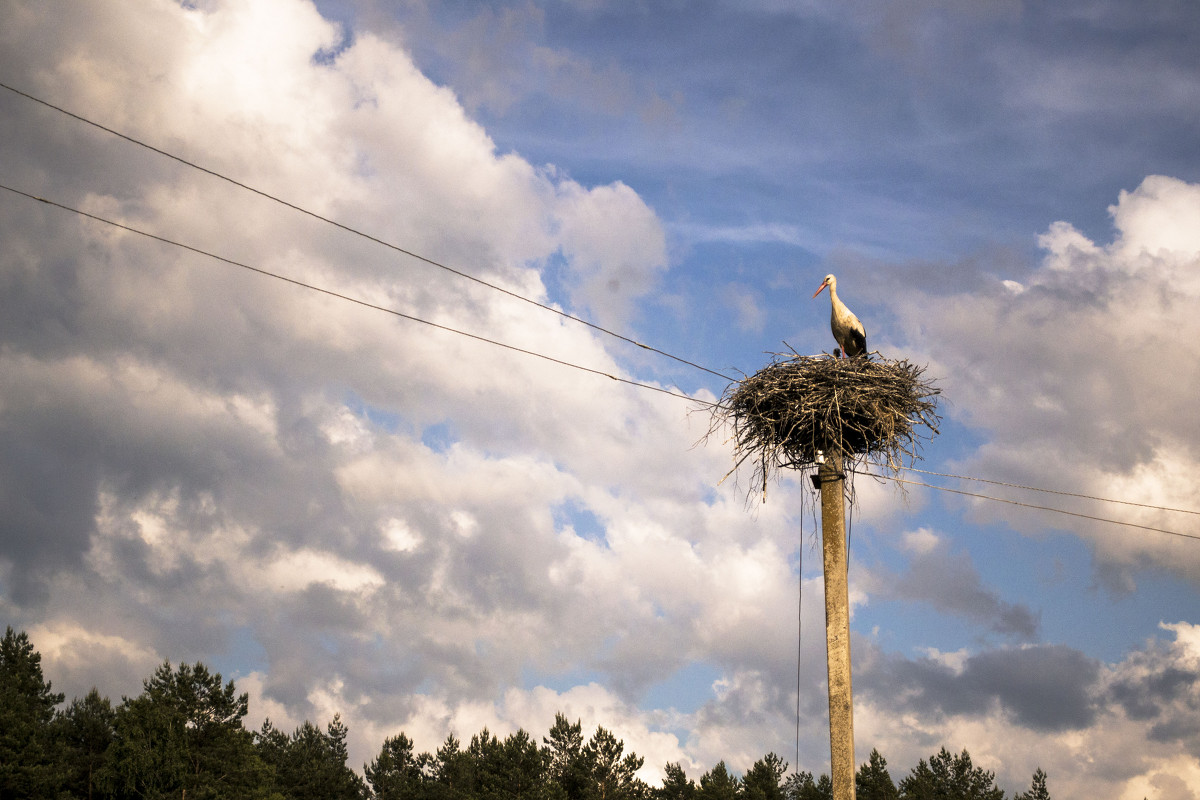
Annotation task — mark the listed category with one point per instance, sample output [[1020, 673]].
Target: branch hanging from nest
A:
[[797, 408]]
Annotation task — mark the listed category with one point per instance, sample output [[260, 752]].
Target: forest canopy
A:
[[184, 737]]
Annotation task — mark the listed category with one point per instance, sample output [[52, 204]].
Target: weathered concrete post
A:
[[837, 626]]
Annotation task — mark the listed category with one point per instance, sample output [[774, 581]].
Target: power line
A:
[[348, 298], [1030, 505], [360, 233], [590, 370], [480, 281], [1054, 491]]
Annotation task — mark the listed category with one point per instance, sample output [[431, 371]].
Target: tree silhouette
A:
[[873, 781], [1037, 788], [184, 736], [949, 776], [26, 710], [85, 732]]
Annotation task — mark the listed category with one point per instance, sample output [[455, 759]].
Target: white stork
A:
[[847, 330]]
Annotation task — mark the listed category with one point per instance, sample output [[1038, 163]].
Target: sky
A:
[[348, 511]]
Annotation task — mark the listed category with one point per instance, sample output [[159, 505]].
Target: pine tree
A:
[[183, 736], [395, 774], [614, 774], [569, 767], [719, 784], [27, 767], [676, 785], [271, 745], [451, 772], [483, 757], [801, 786], [85, 734], [873, 781], [946, 775], [1037, 788], [311, 763], [520, 771], [762, 780]]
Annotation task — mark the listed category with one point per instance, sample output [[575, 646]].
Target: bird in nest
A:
[[847, 330]]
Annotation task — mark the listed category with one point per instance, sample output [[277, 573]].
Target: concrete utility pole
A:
[[837, 625], [783, 417]]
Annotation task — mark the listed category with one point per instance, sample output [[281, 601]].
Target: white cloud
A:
[[609, 271], [298, 570], [1187, 639], [922, 541], [198, 460], [78, 653], [1084, 380], [1064, 246], [369, 502], [955, 661], [1161, 218], [1081, 760]]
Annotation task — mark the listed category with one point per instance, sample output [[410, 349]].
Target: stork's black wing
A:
[[856, 343]]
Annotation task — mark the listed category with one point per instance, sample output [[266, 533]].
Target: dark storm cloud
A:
[[47, 508], [949, 582], [1045, 687], [1144, 696], [1160, 687]]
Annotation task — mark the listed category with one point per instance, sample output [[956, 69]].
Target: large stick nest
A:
[[791, 412]]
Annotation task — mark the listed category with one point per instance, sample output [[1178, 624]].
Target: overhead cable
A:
[[348, 298], [1053, 491], [360, 233], [515, 295], [590, 370], [1030, 505]]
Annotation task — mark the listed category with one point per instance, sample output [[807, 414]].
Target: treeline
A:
[[183, 737]]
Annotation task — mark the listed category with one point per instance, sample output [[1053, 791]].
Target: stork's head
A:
[[829, 281]]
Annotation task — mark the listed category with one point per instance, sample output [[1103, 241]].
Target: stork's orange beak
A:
[[818, 291]]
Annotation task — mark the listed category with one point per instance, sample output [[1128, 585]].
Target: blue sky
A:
[[347, 512]]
